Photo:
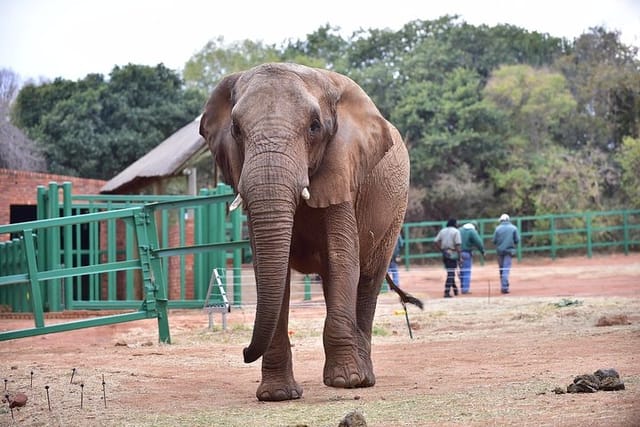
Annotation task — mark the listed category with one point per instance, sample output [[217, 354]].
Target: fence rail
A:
[[544, 235]]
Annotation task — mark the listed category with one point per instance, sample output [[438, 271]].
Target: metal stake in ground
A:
[[31, 384], [48, 400], [406, 316], [81, 394], [104, 393], [6, 396], [73, 372]]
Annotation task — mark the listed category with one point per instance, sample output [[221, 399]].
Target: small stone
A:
[[18, 401], [353, 419]]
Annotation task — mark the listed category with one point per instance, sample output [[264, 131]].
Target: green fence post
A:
[[519, 248], [42, 210], [589, 234], [53, 250], [155, 283], [35, 295], [307, 287], [68, 244], [112, 246], [130, 242], [552, 236], [625, 231]]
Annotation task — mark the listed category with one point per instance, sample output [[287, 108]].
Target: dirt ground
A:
[[474, 360]]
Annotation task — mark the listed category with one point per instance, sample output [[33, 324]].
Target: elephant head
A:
[[283, 135]]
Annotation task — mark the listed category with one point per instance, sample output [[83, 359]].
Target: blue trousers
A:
[[504, 263], [393, 270], [465, 271]]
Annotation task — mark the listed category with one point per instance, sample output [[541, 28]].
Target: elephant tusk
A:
[[236, 202], [305, 193]]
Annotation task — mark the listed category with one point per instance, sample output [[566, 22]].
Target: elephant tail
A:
[[405, 297]]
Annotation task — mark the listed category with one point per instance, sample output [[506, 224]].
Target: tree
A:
[[604, 78], [539, 173], [629, 160], [95, 128], [16, 150], [217, 59]]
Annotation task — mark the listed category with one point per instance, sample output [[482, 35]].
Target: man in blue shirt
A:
[[506, 239]]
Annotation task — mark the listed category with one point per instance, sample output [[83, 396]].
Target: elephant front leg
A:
[[278, 382], [347, 356], [347, 352]]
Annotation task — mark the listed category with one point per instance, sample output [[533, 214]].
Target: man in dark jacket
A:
[[470, 240]]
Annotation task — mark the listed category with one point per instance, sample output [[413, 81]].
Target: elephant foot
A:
[[278, 391], [348, 375]]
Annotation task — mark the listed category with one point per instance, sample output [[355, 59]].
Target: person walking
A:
[[448, 242], [470, 240], [505, 238], [395, 259]]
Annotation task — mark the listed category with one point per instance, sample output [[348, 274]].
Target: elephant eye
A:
[[235, 130], [315, 126]]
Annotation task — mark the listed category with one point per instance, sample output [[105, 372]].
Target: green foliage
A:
[[629, 159], [95, 128], [217, 59]]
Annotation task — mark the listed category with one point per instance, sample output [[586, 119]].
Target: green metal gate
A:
[[38, 269]]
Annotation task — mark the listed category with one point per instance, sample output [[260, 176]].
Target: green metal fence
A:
[[546, 235]]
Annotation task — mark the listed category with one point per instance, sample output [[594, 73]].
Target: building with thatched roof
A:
[[178, 165]]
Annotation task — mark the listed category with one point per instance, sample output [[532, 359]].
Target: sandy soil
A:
[[474, 360]]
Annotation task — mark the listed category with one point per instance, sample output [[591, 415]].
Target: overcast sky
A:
[[72, 38]]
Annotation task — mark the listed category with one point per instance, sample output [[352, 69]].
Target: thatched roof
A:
[[169, 158]]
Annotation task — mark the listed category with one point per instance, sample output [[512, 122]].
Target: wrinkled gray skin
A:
[[275, 130]]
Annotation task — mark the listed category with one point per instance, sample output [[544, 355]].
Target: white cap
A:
[[504, 217], [469, 226]]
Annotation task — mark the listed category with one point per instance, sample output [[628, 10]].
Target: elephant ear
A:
[[362, 138], [215, 128]]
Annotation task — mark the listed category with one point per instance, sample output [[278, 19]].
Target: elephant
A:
[[323, 178]]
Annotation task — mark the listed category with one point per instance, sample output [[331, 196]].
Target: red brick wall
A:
[[174, 262], [20, 188]]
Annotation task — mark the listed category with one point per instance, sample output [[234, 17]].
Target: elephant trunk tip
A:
[[250, 355]]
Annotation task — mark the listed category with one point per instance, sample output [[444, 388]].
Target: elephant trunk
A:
[[270, 208]]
